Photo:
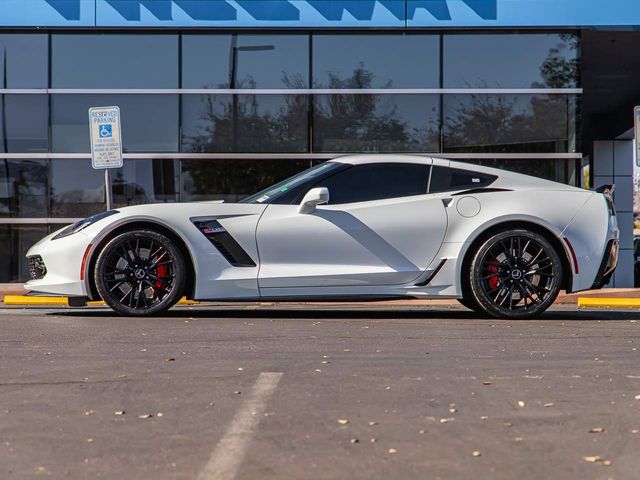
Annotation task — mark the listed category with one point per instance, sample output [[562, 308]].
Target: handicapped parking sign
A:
[[105, 131], [106, 141]]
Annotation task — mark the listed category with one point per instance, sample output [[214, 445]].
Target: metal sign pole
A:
[[107, 188]]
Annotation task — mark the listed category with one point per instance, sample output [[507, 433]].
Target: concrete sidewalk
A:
[[563, 298]]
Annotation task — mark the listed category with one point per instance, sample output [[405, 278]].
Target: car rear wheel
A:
[[140, 273], [515, 274]]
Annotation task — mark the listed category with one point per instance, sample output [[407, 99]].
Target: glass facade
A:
[[221, 115]]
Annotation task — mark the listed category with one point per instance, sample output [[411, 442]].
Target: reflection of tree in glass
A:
[[517, 123], [506, 123], [360, 123], [262, 123], [561, 67]]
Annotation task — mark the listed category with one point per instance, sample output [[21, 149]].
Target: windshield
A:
[[270, 194]]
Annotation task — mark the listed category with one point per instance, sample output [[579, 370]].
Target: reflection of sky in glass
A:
[[25, 57], [498, 61], [263, 59], [149, 122], [27, 127], [397, 61], [125, 61]]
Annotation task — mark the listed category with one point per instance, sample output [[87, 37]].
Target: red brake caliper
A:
[[161, 270], [493, 280]]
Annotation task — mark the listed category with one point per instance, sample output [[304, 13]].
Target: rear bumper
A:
[[608, 264]]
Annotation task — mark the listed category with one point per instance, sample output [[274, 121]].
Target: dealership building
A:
[[221, 98]]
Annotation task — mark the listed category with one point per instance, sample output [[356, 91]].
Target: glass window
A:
[[77, 190], [24, 61], [24, 188], [15, 241], [245, 123], [445, 179], [376, 61], [245, 61], [362, 183], [546, 60], [126, 61], [289, 190], [376, 123], [507, 123], [149, 122], [24, 123], [232, 180], [145, 181]]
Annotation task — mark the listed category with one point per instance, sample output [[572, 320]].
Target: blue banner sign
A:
[[320, 13]]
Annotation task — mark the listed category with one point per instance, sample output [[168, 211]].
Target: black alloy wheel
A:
[[140, 273], [516, 274]]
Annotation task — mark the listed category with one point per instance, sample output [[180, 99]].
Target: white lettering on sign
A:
[[106, 139]]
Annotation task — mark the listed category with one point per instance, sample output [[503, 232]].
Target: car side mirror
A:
[[313, 198]]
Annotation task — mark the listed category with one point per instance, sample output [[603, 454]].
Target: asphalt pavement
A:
[[265, 392]]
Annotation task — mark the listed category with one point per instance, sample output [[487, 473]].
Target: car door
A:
[[379, 228]]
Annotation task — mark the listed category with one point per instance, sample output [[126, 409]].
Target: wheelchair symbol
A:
[[105, 131]]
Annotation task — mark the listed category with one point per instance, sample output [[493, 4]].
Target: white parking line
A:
[[228, 454]]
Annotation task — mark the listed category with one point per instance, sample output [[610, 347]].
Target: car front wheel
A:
[[140, 273], [515, 274]]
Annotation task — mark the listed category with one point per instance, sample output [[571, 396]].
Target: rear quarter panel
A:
[[551, 209]]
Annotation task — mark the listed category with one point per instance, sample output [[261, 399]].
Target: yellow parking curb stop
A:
[[39, 300], [608, 302]]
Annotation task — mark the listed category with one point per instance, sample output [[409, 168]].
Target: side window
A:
[[445, 179], [376, 181]]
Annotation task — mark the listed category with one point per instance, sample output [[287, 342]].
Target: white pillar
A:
[[613, 164]]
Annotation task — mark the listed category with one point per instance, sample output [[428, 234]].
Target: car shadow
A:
[[358, 313]]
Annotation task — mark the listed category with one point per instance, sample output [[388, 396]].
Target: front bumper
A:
[[608, 265], [57, 265]]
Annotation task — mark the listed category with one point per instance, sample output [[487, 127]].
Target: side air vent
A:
[[225, 243]]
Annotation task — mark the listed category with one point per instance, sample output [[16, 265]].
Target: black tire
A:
[[470, 304], [515, 274], [140, 273]]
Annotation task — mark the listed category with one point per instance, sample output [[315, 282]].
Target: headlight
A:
[[84, 223]]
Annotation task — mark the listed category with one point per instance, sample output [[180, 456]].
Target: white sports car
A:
[[353, 228]]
